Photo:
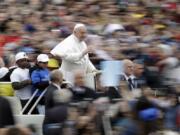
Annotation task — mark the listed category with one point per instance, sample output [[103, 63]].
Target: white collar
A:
[[127, 77], [56, 85], [76, 39]]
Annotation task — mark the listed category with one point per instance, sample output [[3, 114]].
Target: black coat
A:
[[57, 114], [49, 101], [54, 112], [6, 115], [85, 93], [113, 93]]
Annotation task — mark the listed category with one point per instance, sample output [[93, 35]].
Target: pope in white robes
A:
[[74, 53]]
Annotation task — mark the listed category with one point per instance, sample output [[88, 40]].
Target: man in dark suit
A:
[[56, 78], [56, 109], [128, 73], [139, 79], [79, 90]]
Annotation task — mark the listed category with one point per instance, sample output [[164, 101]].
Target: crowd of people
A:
[[37, 37]]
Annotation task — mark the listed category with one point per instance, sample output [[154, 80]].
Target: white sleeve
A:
[[90, 66], [72, 57], [65, 53], [14, 77]]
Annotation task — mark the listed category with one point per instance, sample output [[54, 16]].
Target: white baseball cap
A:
[[166, 49], [21, 55], [3, 71], [110, 28], [42, 58]]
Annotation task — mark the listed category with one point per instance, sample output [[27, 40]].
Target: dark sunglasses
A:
[[24, 60], [44, 62]]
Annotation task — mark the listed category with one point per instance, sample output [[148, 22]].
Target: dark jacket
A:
[[6, 115], [139, 82], [82, 92], [113, 93], [49, 101], [55, 113], [6, 78]]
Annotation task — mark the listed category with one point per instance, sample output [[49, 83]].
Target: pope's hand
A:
[[89, 49], [96, 72]]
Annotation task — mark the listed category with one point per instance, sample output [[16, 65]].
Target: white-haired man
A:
[[74, 52]]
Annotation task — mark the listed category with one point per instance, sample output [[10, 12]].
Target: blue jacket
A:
[[40, 78]]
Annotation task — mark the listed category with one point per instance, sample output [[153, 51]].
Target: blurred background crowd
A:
[[145, 34]]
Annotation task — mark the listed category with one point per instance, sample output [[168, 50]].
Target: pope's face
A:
[[81, 34]]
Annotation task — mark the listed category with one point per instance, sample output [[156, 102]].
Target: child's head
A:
[[42, 60]]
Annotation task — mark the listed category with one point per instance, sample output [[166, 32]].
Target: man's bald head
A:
[[56, 76], [79, 77]]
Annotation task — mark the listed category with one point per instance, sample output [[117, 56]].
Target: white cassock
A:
[[70, 50]]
